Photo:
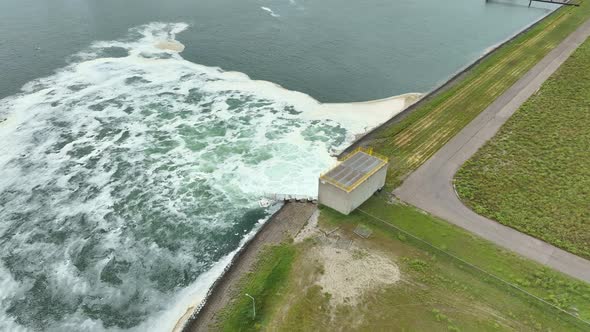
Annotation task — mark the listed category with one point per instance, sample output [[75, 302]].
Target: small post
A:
[[253, 306]]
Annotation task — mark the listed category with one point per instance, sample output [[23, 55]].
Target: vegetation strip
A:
[[533, 175], [389, 224], [411, 141], [430, 187], [438, 290], [272, 269], [283, 224], [508, 267]]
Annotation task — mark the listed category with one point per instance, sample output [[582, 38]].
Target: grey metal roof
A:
[[353, 169]]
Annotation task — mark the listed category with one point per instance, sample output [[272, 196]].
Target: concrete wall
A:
[[343, 202], [334, 197], [366, 189]]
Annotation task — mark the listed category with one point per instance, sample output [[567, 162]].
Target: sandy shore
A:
[[285, 224], [374, 111], [170, 45], [360, 117]]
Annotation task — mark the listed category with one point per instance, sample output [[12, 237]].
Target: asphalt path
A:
[[431, 186]]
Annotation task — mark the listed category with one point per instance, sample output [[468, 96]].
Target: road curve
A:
[[431, 187]]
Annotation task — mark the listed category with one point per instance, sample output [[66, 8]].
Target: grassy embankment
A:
[[534, 175], [438, 292], [416, 138], [272, 269]]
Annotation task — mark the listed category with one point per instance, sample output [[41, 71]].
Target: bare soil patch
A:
[[347, 270], [349, 273]]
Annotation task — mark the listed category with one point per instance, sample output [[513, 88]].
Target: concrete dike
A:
[[284, 224]]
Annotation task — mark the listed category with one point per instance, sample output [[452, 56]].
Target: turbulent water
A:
[[130, 173]]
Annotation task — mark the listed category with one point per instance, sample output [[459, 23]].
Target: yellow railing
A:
[[366, 150]]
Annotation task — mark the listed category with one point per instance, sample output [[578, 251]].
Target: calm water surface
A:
[[333, 50]]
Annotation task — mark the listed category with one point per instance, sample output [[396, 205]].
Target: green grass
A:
[[534, 175], [438, 292], [454, 288], [271, 271], [558, 289], [416, 138]]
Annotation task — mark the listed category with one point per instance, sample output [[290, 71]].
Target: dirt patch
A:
[[348, 270], [349, 273], [170, 45]]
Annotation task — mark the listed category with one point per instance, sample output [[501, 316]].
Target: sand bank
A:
[[364, 115], [170, 45]]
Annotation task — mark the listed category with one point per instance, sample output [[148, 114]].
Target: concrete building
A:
[[350, 183]]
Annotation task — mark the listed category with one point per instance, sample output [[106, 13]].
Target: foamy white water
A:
[[127, 182], [270, 11]]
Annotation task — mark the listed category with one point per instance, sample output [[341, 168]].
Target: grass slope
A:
[[271, 270], [534, 175], [416, 138], [437, 293]]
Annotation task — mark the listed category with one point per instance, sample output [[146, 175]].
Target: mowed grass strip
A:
[[416, 138], [534, 175]]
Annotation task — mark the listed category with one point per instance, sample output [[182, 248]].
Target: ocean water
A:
[[131, 173]]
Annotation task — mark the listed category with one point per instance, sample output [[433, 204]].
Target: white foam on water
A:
[[270, 11], [8, 289], [128, 182]]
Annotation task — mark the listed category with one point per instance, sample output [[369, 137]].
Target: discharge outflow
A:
[[130, 177]]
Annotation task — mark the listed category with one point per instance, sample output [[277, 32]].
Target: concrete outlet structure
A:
[[350, 183]]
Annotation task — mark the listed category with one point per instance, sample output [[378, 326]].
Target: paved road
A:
[[431, 188]]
